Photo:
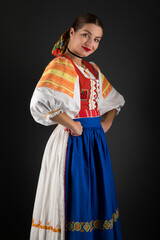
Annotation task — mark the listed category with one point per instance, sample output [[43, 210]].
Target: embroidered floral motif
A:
[[69, 226], [45, 227], [98, 224], [84, 94], [77, 226], [87, 226], [93, 225]]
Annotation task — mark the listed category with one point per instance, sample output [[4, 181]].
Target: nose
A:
[[89, 42]]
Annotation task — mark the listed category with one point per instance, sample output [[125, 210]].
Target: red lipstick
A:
[[86, 49]]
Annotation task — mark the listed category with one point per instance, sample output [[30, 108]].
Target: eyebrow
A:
[[91, 33]]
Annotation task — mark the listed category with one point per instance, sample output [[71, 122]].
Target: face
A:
[[86, 40]]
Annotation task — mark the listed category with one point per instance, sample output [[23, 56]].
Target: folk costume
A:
[[75, 198]]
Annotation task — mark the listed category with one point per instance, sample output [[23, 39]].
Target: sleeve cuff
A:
[[52, 114]]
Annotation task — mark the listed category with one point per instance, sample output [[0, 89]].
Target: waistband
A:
[[88, 113], [94, 122]]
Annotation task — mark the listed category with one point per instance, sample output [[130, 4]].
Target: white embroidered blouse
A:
[[58, 91]]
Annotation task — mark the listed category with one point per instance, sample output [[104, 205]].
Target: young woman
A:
[[76, 197]]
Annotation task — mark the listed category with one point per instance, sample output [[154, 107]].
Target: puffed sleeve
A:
[[54, 92], [109, 97]]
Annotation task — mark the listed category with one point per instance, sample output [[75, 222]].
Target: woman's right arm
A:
[[74, 127]]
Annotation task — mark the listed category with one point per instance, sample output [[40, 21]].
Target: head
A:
[[85, 34]]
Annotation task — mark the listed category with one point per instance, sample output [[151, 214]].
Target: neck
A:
[[75, 58], [74, 53]]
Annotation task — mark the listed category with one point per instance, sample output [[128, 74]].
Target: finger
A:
[[73, 134]]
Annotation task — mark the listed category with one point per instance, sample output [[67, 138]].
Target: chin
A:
[[86, 54]]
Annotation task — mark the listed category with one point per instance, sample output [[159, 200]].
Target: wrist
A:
[[106, 125], [72, 125]]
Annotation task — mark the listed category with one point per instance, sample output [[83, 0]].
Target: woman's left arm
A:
[[108, 120]]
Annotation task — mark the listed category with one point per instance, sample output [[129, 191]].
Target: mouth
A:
[[86, 49]]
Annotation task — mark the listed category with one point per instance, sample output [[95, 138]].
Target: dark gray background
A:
[[128, 56]]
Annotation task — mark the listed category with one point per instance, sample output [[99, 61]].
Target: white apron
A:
[[49, 212]]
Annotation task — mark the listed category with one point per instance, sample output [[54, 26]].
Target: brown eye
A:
[[96, 40], [85, 34]]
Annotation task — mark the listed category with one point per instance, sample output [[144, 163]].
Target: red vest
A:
[[85, 90]]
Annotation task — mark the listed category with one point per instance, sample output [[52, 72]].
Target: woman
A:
[[76, 197]]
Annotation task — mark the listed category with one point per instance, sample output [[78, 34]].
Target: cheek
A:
[[95, 46], [78, 41], [81, 40]]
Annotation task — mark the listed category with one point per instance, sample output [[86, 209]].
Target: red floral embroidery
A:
[[84, 94]]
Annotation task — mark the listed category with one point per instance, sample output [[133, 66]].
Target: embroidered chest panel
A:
[[89, 95]]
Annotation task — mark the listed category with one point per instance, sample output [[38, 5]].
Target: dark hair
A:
[[86, 18]]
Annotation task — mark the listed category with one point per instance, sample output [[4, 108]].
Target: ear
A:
[[71, 32]]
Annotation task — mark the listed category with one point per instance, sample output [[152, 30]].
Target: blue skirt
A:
[[90, 199]]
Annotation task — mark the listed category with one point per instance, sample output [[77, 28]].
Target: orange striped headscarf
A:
[[61, 44]]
